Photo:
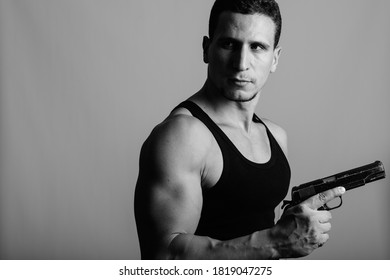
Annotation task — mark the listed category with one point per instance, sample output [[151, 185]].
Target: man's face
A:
[[241, 55]]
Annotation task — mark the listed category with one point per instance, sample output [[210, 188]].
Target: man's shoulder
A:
[[180, 134], [274, 127], [182, 126]]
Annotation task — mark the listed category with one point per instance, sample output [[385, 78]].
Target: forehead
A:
[[246, 27]]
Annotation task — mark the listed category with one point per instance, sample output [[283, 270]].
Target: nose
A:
[[241, 59]]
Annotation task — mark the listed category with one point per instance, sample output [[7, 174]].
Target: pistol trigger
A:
[[324, 207]]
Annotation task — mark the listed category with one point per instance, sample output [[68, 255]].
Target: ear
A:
[[205, 45], [275, 61]]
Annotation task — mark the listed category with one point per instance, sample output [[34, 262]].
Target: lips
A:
[[240, 81]]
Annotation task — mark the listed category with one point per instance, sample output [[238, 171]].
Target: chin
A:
[[239, 96]]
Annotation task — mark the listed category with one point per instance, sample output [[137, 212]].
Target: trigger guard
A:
[[327, 208]]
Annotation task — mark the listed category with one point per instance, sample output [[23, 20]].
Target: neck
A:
[[225, 111]]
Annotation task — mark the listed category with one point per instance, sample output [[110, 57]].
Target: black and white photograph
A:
[[194, 130]]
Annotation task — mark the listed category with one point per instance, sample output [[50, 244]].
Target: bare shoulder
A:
[[180, 138], [279, 133]]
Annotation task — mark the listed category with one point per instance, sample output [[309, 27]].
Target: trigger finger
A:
[[322, 198]]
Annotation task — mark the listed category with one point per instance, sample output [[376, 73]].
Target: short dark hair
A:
[[247, 7]]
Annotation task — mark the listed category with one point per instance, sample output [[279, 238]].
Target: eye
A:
[[258, 47], [227, 44]]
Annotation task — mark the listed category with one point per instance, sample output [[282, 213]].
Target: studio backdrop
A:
[[82, 83]]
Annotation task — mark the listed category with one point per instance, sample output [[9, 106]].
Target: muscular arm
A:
[[168, 204], [168, 193]]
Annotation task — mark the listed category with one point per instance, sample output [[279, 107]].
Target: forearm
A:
[[258, 245]]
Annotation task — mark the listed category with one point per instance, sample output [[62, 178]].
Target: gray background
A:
[[82, 83]]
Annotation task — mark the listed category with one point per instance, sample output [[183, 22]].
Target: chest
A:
[[240, 185], [254, 148]]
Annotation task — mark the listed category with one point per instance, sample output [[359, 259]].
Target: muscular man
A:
[[212, 173]]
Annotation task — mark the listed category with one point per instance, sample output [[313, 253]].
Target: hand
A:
[[303, 228]]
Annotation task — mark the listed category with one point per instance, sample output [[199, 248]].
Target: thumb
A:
[[320, 199]]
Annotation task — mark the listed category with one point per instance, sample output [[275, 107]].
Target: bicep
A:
[[168, 193], [166, 204], [175, 203]]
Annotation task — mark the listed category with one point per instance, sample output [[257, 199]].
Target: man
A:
[[212, 173]]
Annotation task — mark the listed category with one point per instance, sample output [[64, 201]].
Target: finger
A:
[[320, 199], [326, 227], [324, 217], [322, 240]]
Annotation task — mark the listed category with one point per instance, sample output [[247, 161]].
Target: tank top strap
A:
[[271, 137], [256, 119], [197, 112], [219, 135], [222, 139]]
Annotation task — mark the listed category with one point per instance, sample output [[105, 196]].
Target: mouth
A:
[[240, 81]]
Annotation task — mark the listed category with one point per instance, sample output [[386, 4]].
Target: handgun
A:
[[349, 179]]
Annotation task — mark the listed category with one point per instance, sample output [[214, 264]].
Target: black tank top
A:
[[244, 198]]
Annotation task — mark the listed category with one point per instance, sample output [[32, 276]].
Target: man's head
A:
[[243, 47], [247, 7]]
